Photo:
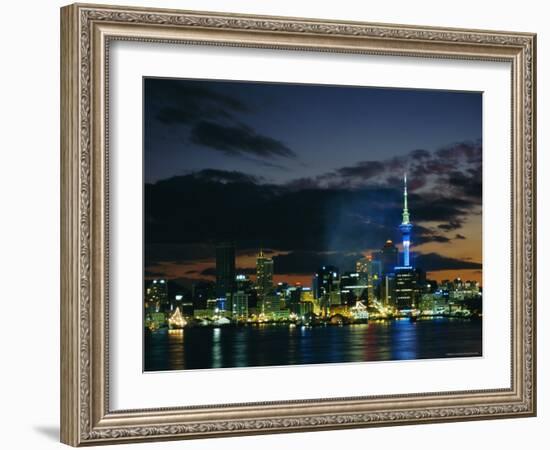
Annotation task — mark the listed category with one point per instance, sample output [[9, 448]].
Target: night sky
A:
[[313, 174]]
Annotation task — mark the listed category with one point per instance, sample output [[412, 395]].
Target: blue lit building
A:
[[406, 227], [407, 279]]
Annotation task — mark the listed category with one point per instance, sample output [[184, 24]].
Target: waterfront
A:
[[275, 345]]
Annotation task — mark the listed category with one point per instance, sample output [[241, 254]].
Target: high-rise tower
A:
[[264, 274], [388, 256], [406, 227], [225, 269]]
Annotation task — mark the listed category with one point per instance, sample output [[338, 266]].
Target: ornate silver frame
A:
[[86, 31]]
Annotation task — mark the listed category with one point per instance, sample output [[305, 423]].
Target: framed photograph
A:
[[275, 224]]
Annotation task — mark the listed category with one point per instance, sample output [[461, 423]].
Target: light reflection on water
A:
[[176, 355], [217, 358], [240, 350], [268, 345]]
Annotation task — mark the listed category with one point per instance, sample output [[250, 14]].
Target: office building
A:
[[327, 280], [225, 269], [264, 274], [388, 257], [156, 296], [407, 287], [239, 305]]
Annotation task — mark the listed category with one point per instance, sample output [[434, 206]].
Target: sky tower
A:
[[406, 227]]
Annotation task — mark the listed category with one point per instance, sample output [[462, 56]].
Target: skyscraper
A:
[[270, 304], [389, 257], [407, 279], [264, 274], [239, 305], [225, 269], [328, 280], [408, 282], [156, 296], [243, 283], [361, 267], [387, 291], [327, 288], [373, 279], [353, 287], [406, 227]]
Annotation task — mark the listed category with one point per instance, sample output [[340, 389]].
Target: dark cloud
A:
[[191, 96], [436, 238], [268, 164], [211, 271], [434, 208], [423, 235], [330, 213], [308, 262], [454, 171], [435, 261], [177, 252], [225, 176], [460, 236], [209, 119], [365, 170], [469, 151], [303, 184], [153, 274], [211, 205], [238, 139], [451, 225], [469, 183], [420, 154]]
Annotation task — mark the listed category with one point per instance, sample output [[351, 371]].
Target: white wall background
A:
[[29, 221]]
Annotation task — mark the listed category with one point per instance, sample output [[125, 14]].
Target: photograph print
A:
[[291, 224]]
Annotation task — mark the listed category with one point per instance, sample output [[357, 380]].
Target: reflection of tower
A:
[[225, 269], [406, 227], [264, 274]]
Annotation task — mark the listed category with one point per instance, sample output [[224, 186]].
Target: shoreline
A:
[[318, 323]]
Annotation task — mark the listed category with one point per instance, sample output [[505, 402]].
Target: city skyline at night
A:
[[305, 224], [238, 321]]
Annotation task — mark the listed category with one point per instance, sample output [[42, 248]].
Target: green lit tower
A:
[[406, 227]]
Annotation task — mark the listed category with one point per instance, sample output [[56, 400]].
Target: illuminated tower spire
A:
[[406, 226], [405, 203]]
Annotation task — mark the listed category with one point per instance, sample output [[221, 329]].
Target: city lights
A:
[[384, 286], [280, 232]]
